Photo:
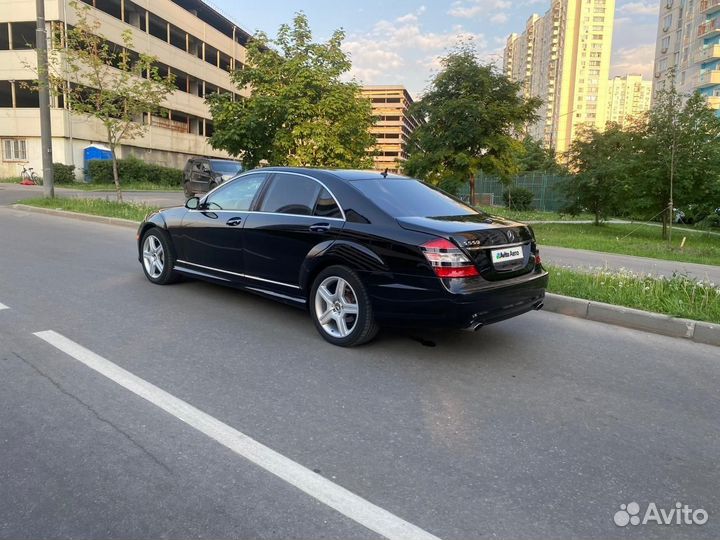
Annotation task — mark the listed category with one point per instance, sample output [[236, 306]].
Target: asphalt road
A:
[[538, 427]]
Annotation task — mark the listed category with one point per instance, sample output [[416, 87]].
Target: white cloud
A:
[[401, 51], [639, 8], [633, 60], [468, 9]]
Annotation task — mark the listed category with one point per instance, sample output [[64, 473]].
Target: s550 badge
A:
[[473, 243]]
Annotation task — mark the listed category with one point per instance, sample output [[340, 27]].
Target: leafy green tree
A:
[[603, 164], [679, 156], [300, 112], [471, 115], [107, 82], [538, 158]]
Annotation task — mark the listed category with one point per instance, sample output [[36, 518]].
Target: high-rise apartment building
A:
[[190, 39], [628, 98], [393, 126], [688, 45], [563, 58]]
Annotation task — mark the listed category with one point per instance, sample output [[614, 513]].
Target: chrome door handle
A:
[[320, 227], [233, 221]]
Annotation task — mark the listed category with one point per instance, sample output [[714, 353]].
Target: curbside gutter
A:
[[697, 331]]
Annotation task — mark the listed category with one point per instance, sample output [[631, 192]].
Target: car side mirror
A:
[[193, 203]]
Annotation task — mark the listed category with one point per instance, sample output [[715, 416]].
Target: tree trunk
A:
[[116, 176], [664, 224], [472, 190], [597, 218]]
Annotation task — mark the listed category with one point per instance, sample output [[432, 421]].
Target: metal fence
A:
[[545, 189]]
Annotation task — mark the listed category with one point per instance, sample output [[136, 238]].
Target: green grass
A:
[[678, 296], [643, 241], [125, 186], [532, 215], [97, 207]]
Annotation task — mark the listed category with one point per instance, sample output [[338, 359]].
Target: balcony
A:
[[709, 28], [713, 102], [708, 53], [709, 6], [709, 78]]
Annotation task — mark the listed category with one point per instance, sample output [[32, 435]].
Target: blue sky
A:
[[400, 42]]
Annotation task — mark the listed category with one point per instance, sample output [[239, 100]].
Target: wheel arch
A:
[[153, 220], [341, 252]]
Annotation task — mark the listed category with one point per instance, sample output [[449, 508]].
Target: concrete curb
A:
[[697, 331], [77, 215]]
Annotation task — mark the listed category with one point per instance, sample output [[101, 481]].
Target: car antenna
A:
[[384, 173]]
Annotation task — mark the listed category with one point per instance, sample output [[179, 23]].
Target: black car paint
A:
[[278, 256]]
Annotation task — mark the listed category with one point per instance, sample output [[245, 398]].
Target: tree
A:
[[299, 112], [471, 115], [107, 82], [679, 155], [538, 158], [602, 163]]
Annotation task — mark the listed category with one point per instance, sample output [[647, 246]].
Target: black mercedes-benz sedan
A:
[[358, 249]]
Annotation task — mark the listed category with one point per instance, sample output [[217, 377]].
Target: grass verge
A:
[[126, 186], [532, 215], [678, 296], [643, 241], [97, 207]]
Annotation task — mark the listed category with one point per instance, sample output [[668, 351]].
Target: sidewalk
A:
[[583, 259]]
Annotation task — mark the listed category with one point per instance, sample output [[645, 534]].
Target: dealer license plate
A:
[[506, 255]]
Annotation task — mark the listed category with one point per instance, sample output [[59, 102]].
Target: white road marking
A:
[[3, 306], [347, 503]]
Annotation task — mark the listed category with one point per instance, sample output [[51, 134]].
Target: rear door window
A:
[[291, 194], [326, 206], [411, 198]]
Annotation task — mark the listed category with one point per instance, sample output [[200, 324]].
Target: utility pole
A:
[[44, 91]]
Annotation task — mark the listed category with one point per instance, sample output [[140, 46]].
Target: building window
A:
[[14, 150], [6, 94], [4, 37], [23, 35]]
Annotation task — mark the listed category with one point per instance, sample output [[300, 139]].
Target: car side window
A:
[[237, 194], [326, 206], [291, 194]]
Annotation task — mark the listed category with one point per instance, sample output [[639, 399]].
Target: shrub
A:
[[520, 198], [711, 221], [134, 170], [63, 174]]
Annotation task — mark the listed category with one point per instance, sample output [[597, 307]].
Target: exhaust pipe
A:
[[539, 306], [474, 326]]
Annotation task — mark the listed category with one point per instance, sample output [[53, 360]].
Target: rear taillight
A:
[[446, 259], [538, 261]]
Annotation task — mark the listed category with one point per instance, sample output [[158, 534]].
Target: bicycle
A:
[[30, 175]]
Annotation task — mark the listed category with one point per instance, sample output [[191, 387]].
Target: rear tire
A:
[[158, 257], [340, 308]]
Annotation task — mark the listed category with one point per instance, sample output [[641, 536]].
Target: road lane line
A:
[[3, 306], [347, 503]]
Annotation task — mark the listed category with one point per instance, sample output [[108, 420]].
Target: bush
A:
[[63, 174], [520, 198], [134, 170], [711, 221]]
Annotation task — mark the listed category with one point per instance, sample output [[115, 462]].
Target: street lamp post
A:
[[44, 95]]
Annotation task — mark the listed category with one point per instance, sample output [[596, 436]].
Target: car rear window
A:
[[411, 198], [227, 167]]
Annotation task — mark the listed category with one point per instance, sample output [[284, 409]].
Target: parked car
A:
[[358, 249], [202, 174]]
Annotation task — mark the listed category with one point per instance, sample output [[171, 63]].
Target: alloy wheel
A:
[[153, 256], [336, 307]]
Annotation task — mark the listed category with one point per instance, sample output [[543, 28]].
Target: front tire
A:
[[340, 308], [158, 257]]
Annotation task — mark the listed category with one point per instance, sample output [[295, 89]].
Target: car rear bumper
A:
[[398, 304]]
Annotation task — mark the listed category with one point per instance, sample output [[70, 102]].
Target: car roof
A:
[[342, 174]]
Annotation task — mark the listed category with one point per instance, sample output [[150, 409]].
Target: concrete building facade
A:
[[393, 125], [563, 57], [190, 39], [628, 98], [688, 45]]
